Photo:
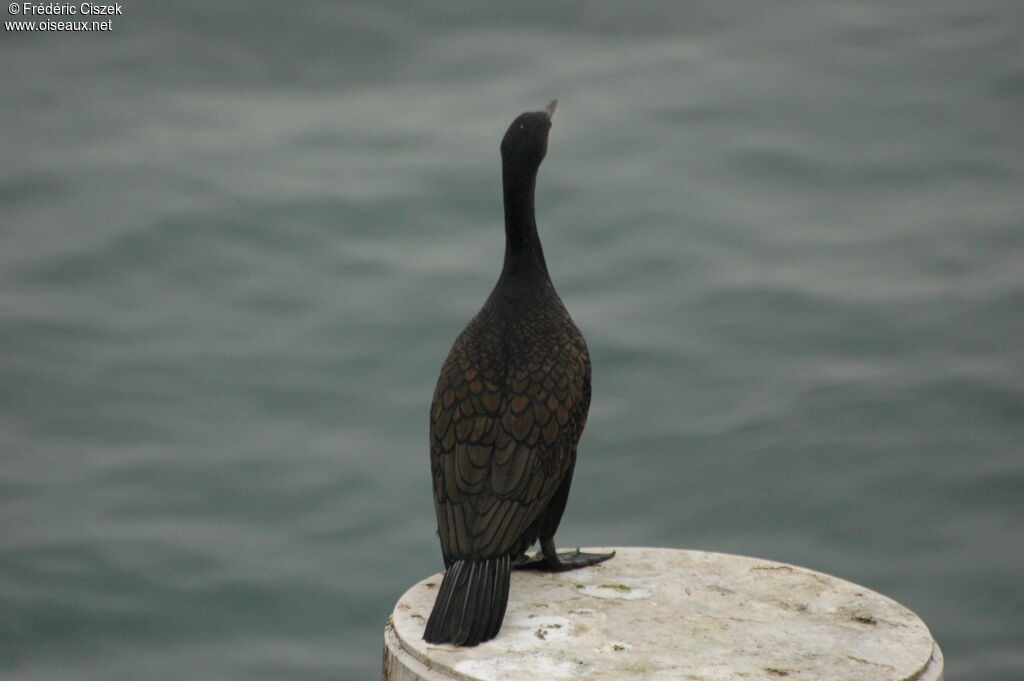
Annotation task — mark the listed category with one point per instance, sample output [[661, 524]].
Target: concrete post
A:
[[663, 614]]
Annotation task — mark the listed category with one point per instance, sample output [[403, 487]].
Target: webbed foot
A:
[[549, 560]]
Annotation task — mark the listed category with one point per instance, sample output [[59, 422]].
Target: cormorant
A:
[[508, 410]]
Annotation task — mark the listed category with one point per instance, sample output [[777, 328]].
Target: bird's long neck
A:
[[523, 252]]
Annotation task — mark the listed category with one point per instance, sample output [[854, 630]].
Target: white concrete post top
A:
[[671, 614]]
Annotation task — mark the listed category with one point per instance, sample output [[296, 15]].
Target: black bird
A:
[[508, 411]]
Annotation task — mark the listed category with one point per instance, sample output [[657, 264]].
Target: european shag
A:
[[508, 411]]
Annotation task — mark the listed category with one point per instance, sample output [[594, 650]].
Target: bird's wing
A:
[[501, 445]]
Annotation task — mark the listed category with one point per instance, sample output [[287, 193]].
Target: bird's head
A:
[[526, 140]]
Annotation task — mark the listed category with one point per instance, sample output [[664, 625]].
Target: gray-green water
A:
[[236, 241]]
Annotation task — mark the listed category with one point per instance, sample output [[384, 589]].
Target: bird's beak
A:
[[551, 108]]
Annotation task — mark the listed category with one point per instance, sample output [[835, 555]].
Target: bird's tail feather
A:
[[471, 602]]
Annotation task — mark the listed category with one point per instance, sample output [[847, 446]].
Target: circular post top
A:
[[673, 614]]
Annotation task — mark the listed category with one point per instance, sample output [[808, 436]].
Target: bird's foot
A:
[[559, 562], [524, 559]]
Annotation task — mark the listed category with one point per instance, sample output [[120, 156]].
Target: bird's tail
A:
[[471, 602]]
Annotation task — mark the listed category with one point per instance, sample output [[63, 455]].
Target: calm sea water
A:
[[237, 239]]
